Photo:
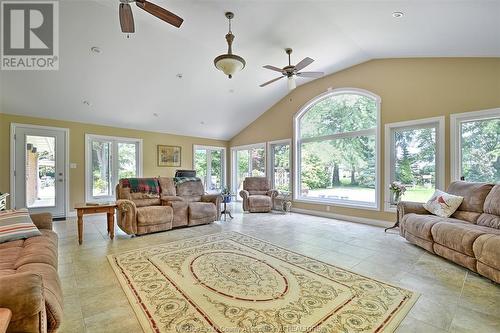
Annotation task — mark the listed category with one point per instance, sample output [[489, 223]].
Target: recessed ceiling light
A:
[[87, 103], [202, 123], [96, 50], [179, 76], [231, 91], [156, 114], [398, 14]]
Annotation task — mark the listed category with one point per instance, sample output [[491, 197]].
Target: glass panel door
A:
[[39, 169], [280, 166], [127, 159], [216, 170], [101, 169], [210, 167]]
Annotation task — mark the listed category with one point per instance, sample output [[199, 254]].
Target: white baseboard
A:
[[378, 223]]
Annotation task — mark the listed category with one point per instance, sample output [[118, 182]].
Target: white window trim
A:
[[224, 160], [297, 157], [389, 158], [88, 161], [455, 141], [269, 161], [234, 149]]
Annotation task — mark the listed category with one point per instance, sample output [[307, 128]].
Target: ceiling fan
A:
[[291, 71], [127, 19]]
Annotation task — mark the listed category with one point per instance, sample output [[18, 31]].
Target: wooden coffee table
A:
[[84, 209], [5, 316]]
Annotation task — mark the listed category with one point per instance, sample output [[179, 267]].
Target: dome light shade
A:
[[229, 63], [291, 83]]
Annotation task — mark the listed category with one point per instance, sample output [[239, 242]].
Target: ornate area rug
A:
[[230, 282]]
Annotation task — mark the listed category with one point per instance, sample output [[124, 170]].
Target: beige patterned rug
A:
[[231, 283]]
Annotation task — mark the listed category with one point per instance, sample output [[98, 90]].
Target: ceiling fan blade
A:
[[269, 82], [273, 68], [310, 74], [126, 18], [160, 13], [303, 64]]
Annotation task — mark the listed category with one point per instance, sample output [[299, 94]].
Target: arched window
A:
[[336, 149]]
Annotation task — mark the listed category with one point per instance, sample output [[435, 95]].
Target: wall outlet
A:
[[327, 208], [72, 165]]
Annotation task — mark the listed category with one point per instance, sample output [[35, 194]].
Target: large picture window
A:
[[108, 159], [414, 157], [210, 166], [336, 142], [475, 140]]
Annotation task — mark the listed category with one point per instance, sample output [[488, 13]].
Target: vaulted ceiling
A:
[[134, 78]]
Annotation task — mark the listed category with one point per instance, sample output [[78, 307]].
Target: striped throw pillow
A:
[[16, 224]]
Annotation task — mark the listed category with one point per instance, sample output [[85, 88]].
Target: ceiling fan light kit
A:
[[229, 63]]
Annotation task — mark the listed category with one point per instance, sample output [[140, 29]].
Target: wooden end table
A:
[[84, 209], [5, 316]]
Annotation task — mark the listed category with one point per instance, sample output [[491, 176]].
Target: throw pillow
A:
[[16, 224], [443, 204]]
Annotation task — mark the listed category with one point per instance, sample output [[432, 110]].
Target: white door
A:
[[39, 169]]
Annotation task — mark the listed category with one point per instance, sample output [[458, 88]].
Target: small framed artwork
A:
[[169, 156]]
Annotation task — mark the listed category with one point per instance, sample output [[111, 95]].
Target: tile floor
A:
[[452, 299]]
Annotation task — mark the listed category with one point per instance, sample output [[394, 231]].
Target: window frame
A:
[[234, 151], [270, 160], [114, 166], [297, 154], [456, 141], [209, 160], [439, 124]]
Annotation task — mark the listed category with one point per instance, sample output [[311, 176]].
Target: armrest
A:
[[272, 193], [216, 199], [22, 293], [244, 194], [42, 220], [171, 198], [127, 216], [408, 207]]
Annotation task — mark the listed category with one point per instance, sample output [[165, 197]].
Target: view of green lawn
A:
[[418, 194]]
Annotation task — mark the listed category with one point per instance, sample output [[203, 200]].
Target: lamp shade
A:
[[291, 83], [229, 64]]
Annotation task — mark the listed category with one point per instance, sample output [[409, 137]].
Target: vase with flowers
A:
[[397, 190]]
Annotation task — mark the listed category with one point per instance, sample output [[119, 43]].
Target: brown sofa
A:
[[29, 283], [178, 204], [470, 237], [258, 197]]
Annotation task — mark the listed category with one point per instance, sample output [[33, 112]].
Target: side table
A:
[[84, 209], [397, 220], [5, 316], [225, 200]]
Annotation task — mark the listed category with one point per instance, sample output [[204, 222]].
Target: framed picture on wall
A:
[[169, 156]]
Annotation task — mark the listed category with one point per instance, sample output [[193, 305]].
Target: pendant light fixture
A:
[[229, 63]]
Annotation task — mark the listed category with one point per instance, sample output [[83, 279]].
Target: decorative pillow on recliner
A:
[[443, 204], [16, 224]]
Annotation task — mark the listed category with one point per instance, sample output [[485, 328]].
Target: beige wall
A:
[[77, 149], [409, 88]]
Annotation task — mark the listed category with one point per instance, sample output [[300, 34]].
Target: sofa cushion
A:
[[201, 210], [487, 252], [260, 201], [167, 186], [459, 236], [489, 220], [154, 215], [443, 204], [147, 202], [16, 224], [256, 192], [190, 188], [256, 184], [420, 225], [474, 195]]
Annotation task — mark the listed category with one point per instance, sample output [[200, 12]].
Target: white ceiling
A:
[[136, 77]]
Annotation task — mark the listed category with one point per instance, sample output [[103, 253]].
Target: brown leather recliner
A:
[[258, 197]]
